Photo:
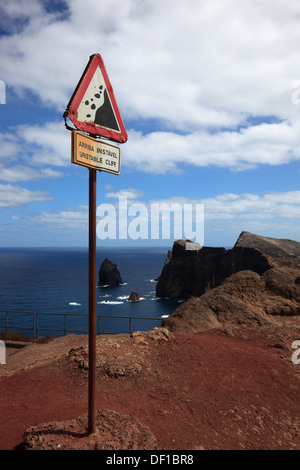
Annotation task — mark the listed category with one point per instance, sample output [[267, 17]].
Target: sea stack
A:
[[109, 274], [134, 297]]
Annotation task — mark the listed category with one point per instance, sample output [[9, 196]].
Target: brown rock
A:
[[245, 298], [156, 334], [134, 297], [281, 251]]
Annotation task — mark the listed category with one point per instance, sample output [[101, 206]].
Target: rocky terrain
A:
[[230, 388], [221, 372], [193, 272], [245, 298]]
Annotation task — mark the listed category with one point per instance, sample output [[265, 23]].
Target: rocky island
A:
[[109, 274]]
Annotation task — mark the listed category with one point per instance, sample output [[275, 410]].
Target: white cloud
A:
[[14, 13], [74, 218], [34, 147], [277, 205], [159, 152], [50, 143], [162, 152], [130, 193], [16, 196], [26, 173], [194, 66], [187, 63], [9, 146]]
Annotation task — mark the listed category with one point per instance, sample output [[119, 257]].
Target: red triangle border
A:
[[95, 61]]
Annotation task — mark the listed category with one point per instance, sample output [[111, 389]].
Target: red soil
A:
[[214, 390]]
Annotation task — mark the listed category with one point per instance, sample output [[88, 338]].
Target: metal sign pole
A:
[[92, 302], [95, 155]]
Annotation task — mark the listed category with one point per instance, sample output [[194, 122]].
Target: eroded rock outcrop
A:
[[188, 273], [109, 274], [245, 298], [279, 250]]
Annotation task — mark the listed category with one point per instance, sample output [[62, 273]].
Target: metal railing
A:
[[36, 317], [15, 327]]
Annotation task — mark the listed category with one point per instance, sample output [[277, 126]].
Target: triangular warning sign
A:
[[93, 107]]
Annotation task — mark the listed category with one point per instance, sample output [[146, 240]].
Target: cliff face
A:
[[188, 273], [191, 272]]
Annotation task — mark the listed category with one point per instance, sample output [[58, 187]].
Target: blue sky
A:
[[209, 92]]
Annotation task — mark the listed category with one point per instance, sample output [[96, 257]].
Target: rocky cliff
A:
[[192, 272], [278, 251]]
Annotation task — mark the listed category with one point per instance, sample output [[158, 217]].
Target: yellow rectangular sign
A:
[[94, 153]]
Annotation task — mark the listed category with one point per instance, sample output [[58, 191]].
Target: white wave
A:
[[164, 316], [153, 280], [110, 302], [74, 303], [123, 297]]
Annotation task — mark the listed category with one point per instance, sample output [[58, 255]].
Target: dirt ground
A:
[[235, 388]]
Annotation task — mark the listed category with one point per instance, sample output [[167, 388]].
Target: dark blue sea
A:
[[47, 281]]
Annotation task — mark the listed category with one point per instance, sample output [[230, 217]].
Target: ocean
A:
[[48, 281]]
